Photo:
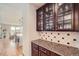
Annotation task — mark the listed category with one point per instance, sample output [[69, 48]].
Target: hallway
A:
[[10, 29]]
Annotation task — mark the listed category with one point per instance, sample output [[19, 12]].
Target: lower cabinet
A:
[[40, 51], [43, 51], [35, 49]]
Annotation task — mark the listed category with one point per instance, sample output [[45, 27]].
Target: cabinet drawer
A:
[[44, 50]]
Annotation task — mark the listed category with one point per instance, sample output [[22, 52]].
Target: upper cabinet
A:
[[45, 18], [49, 17], [65, 17], [58, 17]]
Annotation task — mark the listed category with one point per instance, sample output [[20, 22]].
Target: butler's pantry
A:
[[39, 29]]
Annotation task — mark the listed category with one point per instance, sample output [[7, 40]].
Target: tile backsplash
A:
[[67, 38]]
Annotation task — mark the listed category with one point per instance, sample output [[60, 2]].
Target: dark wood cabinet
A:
[[58, 17], [65, 16], [76, 16], [40, 19], [40, 51], [45, 17], [49, 17], [43, 51], [35, 49]]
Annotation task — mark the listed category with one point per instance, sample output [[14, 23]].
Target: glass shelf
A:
[[41, 18], [50, 8], [67, 26], [46, 9], [60, 18], [60, 26], [40, 13], [46, 15], [67, 17], [50, 13]]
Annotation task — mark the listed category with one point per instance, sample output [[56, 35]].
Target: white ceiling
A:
[[10, 13]]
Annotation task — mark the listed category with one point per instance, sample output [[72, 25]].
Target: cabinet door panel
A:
[[49, 17], [40, 18], [64, 21]]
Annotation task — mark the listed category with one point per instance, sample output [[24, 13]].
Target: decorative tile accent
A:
[[66, 38], [51, 33], [48, 36], [68, 43], [54, 36], [58, 33], [62, 37], [74, 40], [58, 41], [51, 39], [43, 35], [68, 34]]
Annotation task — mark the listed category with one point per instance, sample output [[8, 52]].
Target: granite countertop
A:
[[60, 49]]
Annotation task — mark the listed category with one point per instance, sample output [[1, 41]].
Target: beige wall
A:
[[29, 24]]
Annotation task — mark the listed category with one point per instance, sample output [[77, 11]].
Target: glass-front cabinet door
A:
[[45, 17], [64, 16], [40, 18], [49, 17]]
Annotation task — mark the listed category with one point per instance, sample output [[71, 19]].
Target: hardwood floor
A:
[[14, 50], [10, 48], [19, 50]]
